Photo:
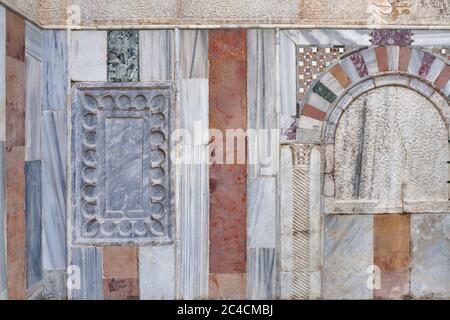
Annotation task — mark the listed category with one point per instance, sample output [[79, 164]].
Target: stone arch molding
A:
[[365, 70], [349, 79]]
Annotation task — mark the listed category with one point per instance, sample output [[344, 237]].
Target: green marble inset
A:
[[123, 55], [324, 92]]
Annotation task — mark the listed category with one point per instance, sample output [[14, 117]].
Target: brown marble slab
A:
[[227, 286], [120, 262], [403, 60], [340, 75], [228, 182], [382, 58], [15, 102], [16, 243], [121, 289], [15, 36], [392, 238]]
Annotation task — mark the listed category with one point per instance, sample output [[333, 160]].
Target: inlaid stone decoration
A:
[[120, 160], [123, 55]]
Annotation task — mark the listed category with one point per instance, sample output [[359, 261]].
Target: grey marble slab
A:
[[54, 189], [33, 222], [348, 255], [55, 73], [193, 54], [2, 72], [430, 38], [288, 85], [261, 273], [123, 55], [262, 103], [261, 212], [3, 251], [157, 273], [156, 55], [89, 286], [88, 55], [54, 285], [33, 40], [33, 118], [430, 272], [325, 37]]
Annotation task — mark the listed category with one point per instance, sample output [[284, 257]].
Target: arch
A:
[[365, 70]]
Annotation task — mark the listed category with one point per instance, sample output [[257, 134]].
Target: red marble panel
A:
[[15, 102], [120, 262], [313, 112], [228, 182], [15, 197], [403, 61], [392, 237], [121, 289], [227, 44], [443, 77], [382, 58], [227, 286], [15, 36], [340, 75]]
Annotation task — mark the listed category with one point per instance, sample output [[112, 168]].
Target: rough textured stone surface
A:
[[385, 143], [123, 56], [430, 275], [348, 254], [54, 285]]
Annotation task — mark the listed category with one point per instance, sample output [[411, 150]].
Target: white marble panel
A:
[[88, 55], [156, 55]]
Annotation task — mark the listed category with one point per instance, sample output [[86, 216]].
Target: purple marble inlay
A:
[[360, 64], [427, 61], [291, 132], [401, 38]]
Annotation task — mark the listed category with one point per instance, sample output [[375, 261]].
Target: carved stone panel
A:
[[120, 139]]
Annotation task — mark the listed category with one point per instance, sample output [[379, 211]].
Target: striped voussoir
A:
[[373, 62]]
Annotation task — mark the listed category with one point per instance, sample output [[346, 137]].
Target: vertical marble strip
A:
[[120, 272], [261, 273], [15, 202], [3, 253], [360, 64], [435, 70], [427, 61], [261, 212], [123, 55], [194, 192], [33, 210], [261, 96], [415, 62], [443, 78], [54, 190], [88, 55], [393, 57], [288, 88], [33, 40], [15, 102], [156, 55], [55, 73], [371, 60], [430, 272], [382, 59], [286, 221], [403, 59], [157, 273], [87, 261], [15, 36], [33, 117], [228, 172], [194, 57], [348, 254], [391, 239]]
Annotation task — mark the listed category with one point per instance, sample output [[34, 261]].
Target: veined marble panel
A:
[[88, 56], [33, 115], [347, 257], [33, 40], [33, 212], [86, 263], [108, 119], [262, 103], [3, 268], [156, 55], [430, 273], [54, 189], [55, 73], [193, 55], [318, 37], [261, 273], [157, 273]]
